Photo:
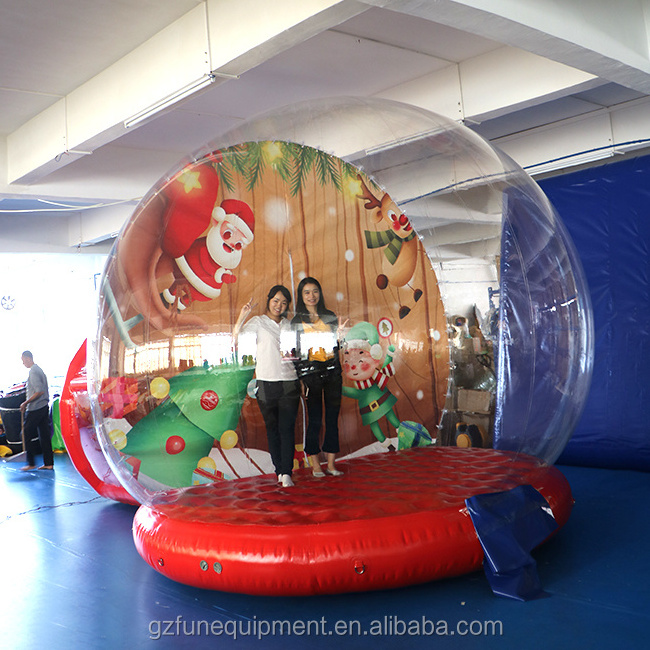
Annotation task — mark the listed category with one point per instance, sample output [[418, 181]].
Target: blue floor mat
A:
[[71, 577]]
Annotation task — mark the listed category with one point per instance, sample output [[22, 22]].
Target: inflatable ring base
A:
[[391, 520]]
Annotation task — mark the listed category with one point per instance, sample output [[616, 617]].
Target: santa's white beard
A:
[[227, 259]]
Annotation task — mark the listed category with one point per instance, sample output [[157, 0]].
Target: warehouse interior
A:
[[100, 100]]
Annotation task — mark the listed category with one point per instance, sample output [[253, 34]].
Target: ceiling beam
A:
[[596, 136], [93, 114], [216, 38], [600, 37], [493, 84]]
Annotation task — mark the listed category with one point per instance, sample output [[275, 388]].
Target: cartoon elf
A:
[[362, 363]]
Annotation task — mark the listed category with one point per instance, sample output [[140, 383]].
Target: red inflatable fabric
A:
[[392, 520], [77, 440]]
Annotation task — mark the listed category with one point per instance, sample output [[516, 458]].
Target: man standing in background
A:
[[36, 413]]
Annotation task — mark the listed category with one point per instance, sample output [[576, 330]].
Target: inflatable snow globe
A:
[[454, 284]]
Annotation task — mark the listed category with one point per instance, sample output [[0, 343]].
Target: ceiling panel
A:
[[530, 118], [18, 107], [53, 47], [415, 34], [48, 49], [353, 67], [609, 94]]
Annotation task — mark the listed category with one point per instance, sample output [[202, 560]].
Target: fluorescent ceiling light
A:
[[571, 161], [400, 142], [170, 100]]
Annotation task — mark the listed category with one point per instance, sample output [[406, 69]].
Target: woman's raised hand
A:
[[246, 309], [243, 315]]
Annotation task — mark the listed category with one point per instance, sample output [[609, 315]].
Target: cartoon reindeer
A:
[[399, 242]]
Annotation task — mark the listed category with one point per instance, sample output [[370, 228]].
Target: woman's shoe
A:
[[286, 481], [316, 469], [334, 472]]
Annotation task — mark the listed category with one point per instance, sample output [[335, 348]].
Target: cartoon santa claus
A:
[[205, 240]]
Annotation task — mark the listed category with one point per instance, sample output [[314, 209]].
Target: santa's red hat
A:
[[237, 213]]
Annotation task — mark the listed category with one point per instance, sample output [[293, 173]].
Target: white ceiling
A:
[[543, 79]]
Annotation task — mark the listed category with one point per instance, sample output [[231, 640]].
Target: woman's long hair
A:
[[301, 310]]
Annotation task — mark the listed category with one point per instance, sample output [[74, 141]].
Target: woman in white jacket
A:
[[278, 388]]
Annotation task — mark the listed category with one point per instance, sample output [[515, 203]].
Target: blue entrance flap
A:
[[509, 525]]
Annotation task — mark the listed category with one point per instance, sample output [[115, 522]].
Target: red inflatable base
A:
[[81, 443], [392, 520]]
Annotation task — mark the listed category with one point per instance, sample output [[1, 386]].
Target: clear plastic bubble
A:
[[452, 272]]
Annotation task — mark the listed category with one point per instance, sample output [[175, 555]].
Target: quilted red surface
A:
[[393, 519]]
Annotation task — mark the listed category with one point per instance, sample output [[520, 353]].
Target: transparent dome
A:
[[441, 256]]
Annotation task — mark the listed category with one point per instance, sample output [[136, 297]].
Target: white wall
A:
[[54, 298]]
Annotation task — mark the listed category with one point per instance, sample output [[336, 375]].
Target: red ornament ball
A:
[[174, 445], [209, 400]]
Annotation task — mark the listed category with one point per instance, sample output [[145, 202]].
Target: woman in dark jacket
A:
[[319, 367]]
